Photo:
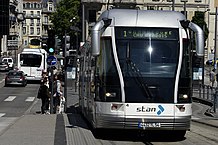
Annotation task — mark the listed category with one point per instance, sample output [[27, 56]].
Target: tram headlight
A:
[[110, 94], [183, 96]]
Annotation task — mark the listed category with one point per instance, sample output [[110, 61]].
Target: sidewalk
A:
[[54, 129]]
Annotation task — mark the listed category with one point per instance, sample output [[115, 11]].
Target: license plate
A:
[[148, 125]]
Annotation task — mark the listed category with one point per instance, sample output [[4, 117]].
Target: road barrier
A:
[[207, 95]]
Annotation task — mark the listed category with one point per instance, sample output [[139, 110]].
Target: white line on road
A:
[[30, 99], [2, 80], [10, 98]]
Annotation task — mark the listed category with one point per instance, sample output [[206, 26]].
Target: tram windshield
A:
[[148, 59]]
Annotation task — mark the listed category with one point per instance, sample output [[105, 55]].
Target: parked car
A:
[[14, 77], [4, 66], [10, 62]]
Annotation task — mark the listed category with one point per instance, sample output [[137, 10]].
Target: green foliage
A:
[[66, 15], [199, 20]]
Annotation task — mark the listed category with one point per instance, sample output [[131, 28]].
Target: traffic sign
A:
[[51, 60]]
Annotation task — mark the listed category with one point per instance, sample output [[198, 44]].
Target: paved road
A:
[[14, 102]]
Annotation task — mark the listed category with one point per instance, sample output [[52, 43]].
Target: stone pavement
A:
[[34, 128]]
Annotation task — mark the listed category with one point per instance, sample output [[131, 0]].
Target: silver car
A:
[[14, 77]]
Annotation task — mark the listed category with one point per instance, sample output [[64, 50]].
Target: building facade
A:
[[37, 20], [15, 33]]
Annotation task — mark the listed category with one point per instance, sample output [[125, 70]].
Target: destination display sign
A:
[[146, 33]]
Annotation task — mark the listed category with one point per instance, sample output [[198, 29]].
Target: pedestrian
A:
[[58, 92], [212, 77], [44, 95], [44, 75]]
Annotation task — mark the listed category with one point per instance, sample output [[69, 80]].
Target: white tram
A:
[[137, 72]]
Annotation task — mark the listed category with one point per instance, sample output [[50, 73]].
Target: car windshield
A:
[[14, 74]]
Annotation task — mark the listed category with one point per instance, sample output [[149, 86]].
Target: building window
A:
[[31, 13], [46, 19], [24, 30], [31, 30], [38, 31], [31, 5], [31, 22], [50, 7], [27, 5], [38, 13], [35, 5], [38, 6], [24, 6], [25, 42]]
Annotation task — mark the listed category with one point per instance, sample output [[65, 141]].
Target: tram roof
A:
[[143, 18]]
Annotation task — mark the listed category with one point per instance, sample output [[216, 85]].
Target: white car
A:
[[10, 62]]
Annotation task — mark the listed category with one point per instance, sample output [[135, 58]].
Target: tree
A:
[[199, 20], [66, 15]]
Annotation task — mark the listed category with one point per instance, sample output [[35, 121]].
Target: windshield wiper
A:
[[139, 78]]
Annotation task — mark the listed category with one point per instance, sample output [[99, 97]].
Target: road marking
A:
[[10, 98], [30, 99], [2, 80], [2, 114]]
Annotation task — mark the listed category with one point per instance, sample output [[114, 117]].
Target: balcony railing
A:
[[32, 16], [45, 10]]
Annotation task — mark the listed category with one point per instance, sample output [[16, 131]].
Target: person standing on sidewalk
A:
[[44, 95], [58, 92], [212, 77]]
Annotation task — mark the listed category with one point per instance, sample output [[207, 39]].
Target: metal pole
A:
[[83, 22], [65, 71], [52, 91], [173, 5], [215, 39], [1, 45], [185, 9]]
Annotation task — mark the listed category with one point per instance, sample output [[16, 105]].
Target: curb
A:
[[205, 123], [203, 101]]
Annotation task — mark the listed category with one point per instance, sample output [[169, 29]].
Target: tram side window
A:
[[107, 75]]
